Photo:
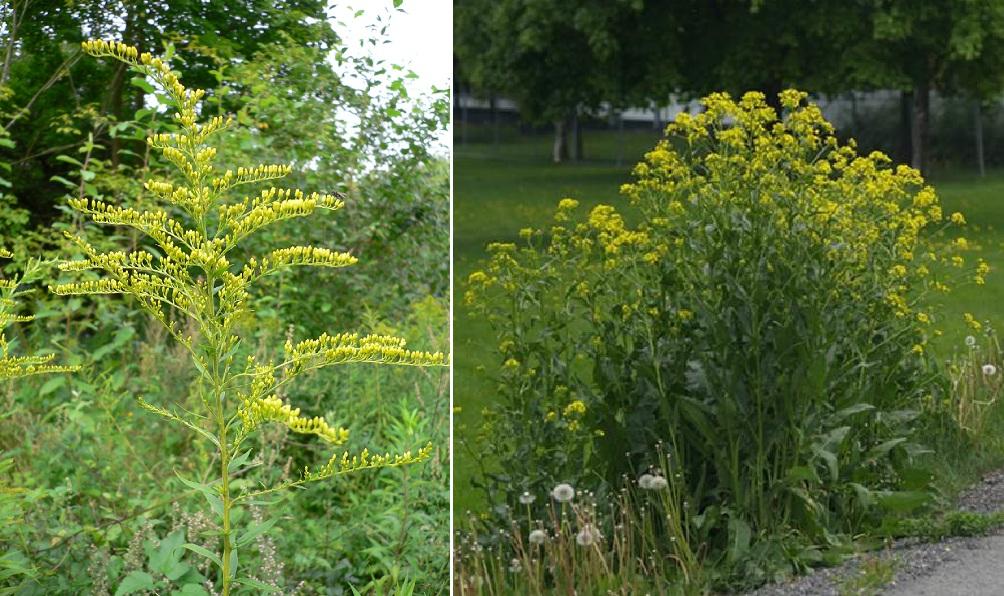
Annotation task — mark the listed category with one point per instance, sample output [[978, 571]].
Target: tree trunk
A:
[[620, 140], [855, 117], [920, 126], [978, 126], [16, 16], [559, 150], [905, 148], [656, 117], [493, 107], [576, 130], [772, 90], [462, 105]]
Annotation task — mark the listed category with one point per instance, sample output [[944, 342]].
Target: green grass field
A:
[[499, 189]]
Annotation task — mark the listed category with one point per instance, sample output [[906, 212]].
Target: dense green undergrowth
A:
[[94, 481]]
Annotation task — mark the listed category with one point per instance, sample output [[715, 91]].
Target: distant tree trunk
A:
[[493, 106], [978, 129], [855, 117], [656, 116], [559, 151], [16, 16], [620, 139], [905, 148], [462, 107], [920, 125], [576, 130], [772, 89]]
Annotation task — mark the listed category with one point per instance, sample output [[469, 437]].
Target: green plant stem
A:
[[224, 491]]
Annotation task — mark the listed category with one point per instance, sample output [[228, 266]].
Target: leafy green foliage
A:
[[98, 479]]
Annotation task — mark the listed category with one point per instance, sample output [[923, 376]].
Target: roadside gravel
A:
[[952, 567]]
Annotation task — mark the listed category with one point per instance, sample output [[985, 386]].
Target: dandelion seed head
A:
[[537, 537], [526, 498], [989, 370], [658, 483], [563, 493], [588, 535]]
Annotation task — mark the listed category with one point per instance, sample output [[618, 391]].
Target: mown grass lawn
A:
[[501, 188]]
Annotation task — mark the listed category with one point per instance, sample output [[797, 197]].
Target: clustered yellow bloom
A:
[[272, 409], [854, 206], [351, 347], [575, 408], [14, 367]]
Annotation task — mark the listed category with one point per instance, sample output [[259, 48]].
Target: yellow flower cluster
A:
[[272, 409], [302, 255], [856, 207], [574, 408], [13, 367], [365, 460], [351, 347]]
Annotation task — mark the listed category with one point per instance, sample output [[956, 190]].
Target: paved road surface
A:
[[973, 569]]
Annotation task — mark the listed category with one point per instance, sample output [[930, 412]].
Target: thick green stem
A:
[[224, 493]]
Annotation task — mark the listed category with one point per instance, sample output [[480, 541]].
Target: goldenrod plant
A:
[[189, 279], [11, 366], [767, 317]]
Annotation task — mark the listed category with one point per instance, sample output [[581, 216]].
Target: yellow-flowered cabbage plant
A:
[[767, 318], [193, 275]]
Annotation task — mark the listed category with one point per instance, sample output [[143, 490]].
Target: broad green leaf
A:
[[51, 385], [134, 582]]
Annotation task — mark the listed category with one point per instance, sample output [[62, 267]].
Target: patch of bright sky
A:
[[417, 35]]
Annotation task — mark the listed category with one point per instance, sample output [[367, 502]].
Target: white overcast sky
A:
[[419, 36]]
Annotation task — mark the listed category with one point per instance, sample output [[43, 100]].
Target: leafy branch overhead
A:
[[195, 269]]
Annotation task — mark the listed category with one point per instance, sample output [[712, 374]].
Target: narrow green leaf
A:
[[195, 548], [253, 583], [255, 531], [70, 160]]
